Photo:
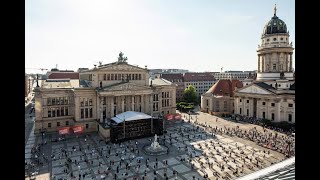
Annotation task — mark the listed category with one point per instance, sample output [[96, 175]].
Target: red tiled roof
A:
[[225, 87], [64, 75], [198, 77]]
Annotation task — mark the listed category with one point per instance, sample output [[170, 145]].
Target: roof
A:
[[172, 77], [274, 26], [130, 116], [63, 75], [225, 87], [264, 85], [282, 170], [60, 83], [160, 82], [206, 76]]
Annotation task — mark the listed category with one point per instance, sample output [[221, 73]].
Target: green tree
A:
[[190, 95]]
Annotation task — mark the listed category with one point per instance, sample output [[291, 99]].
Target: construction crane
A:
[[42, 69]]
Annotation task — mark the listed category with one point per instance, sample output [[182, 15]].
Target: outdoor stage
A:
[[133, 125]]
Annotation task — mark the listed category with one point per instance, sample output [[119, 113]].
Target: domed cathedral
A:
[[275, 52], [272, 95]]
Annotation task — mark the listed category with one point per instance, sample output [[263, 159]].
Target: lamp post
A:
[[42, 130], [161, 115]]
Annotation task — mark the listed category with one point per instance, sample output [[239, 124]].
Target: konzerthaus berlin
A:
[[100, 94]]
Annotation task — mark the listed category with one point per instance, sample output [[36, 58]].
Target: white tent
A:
[[130, 116]]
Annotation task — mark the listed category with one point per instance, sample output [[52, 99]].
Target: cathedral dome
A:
[[275, 25]]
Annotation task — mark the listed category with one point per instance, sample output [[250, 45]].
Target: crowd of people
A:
[[268, 139]]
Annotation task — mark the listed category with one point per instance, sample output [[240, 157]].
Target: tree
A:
[[190, 95]]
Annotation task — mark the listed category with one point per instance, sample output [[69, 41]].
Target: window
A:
[[90, 102], [240, 101], [86, 113], [207, 102], [272, 116], [81, 102], [66, 100], [111, 77], [274, 39], [272, 104], [53, 112], [58, 124], [67, 112], [86, 101], [58, 112], [281, 39], [263, 115], [49, 125], [90, 113], [240, 111], [61, 100], [49, 101], [87, 126], [115, 77], [274, 66], [49, 112], [67, 123], [290, 117], [247, 112], [108, 77], [104, 77], [247, 101], [263, 103], [268, 40], [62, 111], [290, 105], [82, 114], [139, 76], [53, 101]]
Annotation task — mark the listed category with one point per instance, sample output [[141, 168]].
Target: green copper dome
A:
[[275, 25]]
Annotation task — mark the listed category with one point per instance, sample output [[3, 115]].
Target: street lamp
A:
[[42, 130], [161, 115]]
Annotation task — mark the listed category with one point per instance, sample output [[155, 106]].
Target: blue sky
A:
[[198, 35]]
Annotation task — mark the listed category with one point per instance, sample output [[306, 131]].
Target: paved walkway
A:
[[194, 154]]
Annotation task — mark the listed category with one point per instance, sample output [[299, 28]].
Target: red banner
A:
[[169, 117], [77, 129], [64, 130]]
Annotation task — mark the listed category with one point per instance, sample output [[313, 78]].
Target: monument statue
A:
[[121, 58], [155, 138]]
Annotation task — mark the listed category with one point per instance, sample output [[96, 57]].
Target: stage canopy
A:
[[130, 116]]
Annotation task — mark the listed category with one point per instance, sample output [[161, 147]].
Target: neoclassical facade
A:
[[272, 95], [102, 93]]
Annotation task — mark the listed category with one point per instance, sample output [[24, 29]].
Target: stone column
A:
[[277, 115], [132, 103], [258, 63], [122, 103], [290, 70], [278, 61], [142, 103], [285, 62], [150, 104], [263, 60], [101, 109], [112, 106]]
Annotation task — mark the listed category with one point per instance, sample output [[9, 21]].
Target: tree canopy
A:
[[190, 95]]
